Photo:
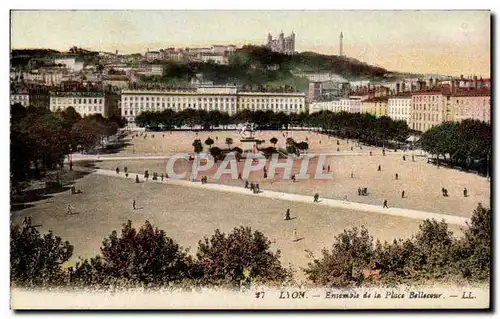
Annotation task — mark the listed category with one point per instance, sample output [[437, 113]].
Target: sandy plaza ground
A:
[[188, 214], [421, 182]]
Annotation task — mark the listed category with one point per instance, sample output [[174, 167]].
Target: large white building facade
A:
[[399, 108], [474, 105], [350, 105], [20, 98], [84, 103], [209, 98]]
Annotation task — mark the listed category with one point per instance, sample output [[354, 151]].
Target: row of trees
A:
[[148, 257], [364, 127], [40, 138], [467, 144], [145, 257], [433, 254]]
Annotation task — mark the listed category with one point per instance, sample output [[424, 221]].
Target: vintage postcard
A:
[[250, 159]]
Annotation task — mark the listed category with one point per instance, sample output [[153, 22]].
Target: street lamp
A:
[[70, 159]]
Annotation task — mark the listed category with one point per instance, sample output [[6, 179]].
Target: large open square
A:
[[422, 182], [188, 214]]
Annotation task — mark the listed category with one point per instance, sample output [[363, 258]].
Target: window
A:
[[95, 101]]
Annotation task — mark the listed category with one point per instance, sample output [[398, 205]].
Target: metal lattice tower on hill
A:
[[341, 48]]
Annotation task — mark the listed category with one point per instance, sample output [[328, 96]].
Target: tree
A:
[[216, 153], [198, 147], [209, 142], [343, 265], [273, 141], [229, 142], [35, 259], [225, 257], [88, 132], [475, 246], [147, 257]]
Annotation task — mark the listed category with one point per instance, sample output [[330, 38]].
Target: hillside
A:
[[257, 66]]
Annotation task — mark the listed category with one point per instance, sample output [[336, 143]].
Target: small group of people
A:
[[362, 191], [204, 179], [255, 188], [444, 191]]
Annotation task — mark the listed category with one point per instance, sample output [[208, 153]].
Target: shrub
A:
[[35, 259], [343, 265], [226, 258], [145, 257], [475, 246]]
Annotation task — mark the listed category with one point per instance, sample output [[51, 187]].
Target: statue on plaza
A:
[[247, 131]]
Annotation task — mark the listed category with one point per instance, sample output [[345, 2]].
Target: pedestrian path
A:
[[80, 157], [394, 211]]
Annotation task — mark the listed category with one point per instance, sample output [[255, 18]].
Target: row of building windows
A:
[[247, 100], [142, 98], [422, 127], [20, 97], [95, 108], [425, 98], [398, 111], [430, 107], [76, 101], [147, 105], [426, 117]]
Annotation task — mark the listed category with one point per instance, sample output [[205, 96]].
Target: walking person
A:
[[403, 194], [385, 204], [397, 176], [316, 197], [295, 234], [379, 168], [352, 174], [69, 211], [133, 205], [287, 214], [246, 184], [465, 192]]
